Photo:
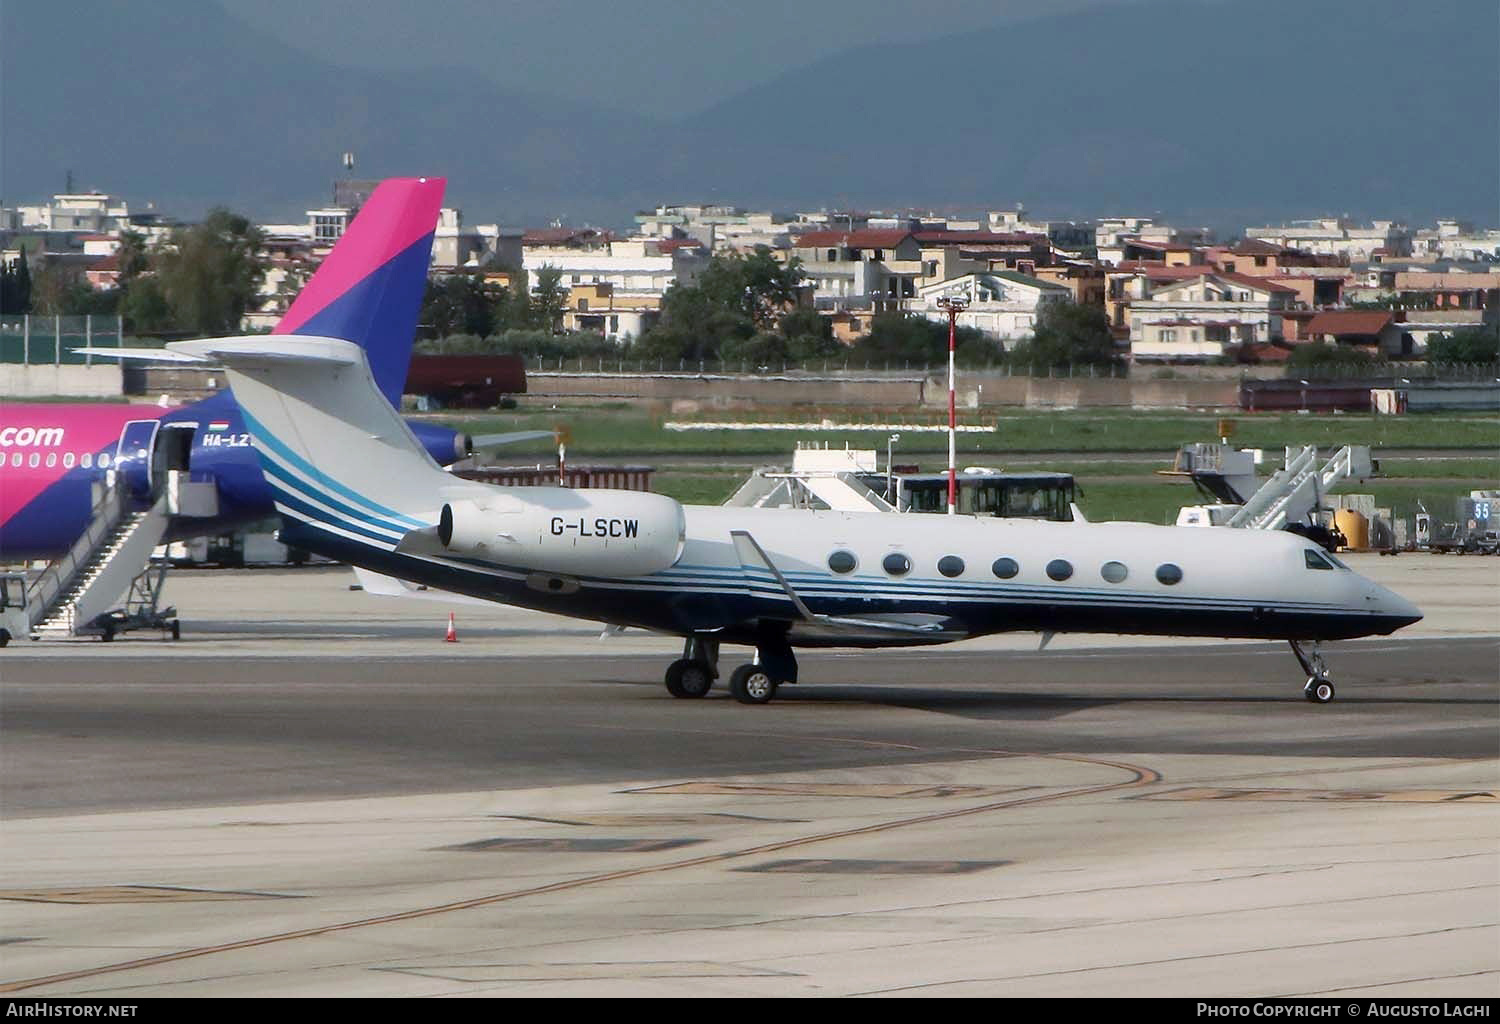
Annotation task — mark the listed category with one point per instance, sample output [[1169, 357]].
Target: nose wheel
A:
[[1319, 689]]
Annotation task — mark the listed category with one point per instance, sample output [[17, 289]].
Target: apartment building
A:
[[884, 269], [1457, 240], [1339, 237], [1001, 304], [1206, 317], [719, 228], [596, 307], [637, 271]]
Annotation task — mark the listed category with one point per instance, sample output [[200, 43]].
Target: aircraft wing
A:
[[903, 628]]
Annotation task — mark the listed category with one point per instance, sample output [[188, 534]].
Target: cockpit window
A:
[[1315, 559]]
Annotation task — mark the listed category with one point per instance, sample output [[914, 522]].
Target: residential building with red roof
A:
[[1375, 330], [1206, 317]]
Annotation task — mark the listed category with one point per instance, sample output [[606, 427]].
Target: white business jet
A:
[[353, 483]]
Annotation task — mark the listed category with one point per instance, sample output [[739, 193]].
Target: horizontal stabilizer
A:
[[270, 348], [152, 355]]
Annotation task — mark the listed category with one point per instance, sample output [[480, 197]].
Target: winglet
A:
[[369, 290]]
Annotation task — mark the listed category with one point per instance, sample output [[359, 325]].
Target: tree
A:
[[56, 288], [1323, 355], [461, 304], [548, 299], [133, 257], [764, 348], [1479, 344], [210, 272], [1068, 334], [900, 338], [732, 300], [809, 336], [15, 286], [144, 306]]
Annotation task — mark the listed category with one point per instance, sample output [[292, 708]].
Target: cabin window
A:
[[85, 461], [33, 461], [951, 565], [1059, 569], [1005, 568], [1315, 559], [68, 460], [842, 561], [104, 460], [1114, 572], [897, 564], [1168, 574], [51, 459]]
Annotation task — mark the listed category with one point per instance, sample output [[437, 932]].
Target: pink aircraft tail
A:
[[369, 290]]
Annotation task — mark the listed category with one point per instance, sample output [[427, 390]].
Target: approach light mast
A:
[[952, 305]]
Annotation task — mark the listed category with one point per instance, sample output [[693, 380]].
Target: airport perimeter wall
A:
[[18, 381], [1211, 388], [745, 391]]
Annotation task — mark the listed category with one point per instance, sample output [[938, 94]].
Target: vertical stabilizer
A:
[[369, 290], [335, 453]]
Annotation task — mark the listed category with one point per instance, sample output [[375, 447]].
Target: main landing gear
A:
[[694, 673], [1319, 690]]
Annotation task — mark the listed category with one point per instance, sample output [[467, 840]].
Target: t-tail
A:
[[350, 479], [369, 290], [337, 456]]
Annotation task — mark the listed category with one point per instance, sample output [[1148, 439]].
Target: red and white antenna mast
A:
[[953, 305]]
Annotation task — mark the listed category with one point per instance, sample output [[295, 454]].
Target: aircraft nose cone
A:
[[1395, 610]]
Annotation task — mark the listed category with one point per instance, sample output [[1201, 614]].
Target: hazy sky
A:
[[660, 57]]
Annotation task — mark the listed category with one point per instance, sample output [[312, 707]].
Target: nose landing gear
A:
[[1319, 690]]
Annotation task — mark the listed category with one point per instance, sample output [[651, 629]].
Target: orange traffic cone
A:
[[452, 636]]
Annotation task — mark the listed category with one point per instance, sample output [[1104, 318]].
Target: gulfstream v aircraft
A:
[[353, 483]]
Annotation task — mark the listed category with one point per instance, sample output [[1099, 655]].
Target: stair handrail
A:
[[104, 516], [1273, 495]]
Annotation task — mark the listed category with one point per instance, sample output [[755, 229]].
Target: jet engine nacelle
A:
[[584, 532]]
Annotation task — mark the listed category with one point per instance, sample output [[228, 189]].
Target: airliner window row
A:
[[1059, 569], [69, 460]]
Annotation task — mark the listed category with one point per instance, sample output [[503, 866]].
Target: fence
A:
[[1369, 374], [51, 340]]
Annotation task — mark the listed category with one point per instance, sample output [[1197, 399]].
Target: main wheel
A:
[[1319, 691], [752, 684], [687, 678]]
